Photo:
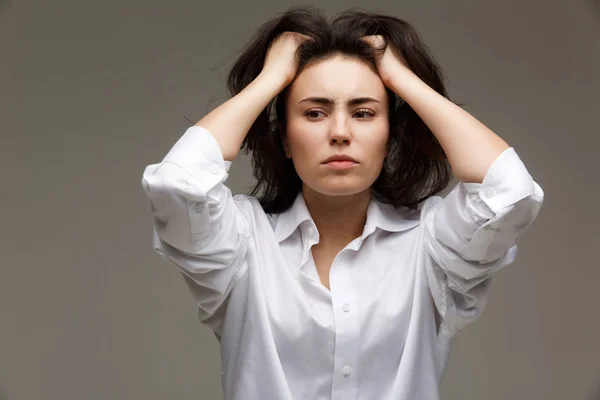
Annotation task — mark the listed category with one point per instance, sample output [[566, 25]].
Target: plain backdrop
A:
[[93, 91]]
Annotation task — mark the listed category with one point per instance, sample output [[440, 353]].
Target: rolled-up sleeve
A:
[[198, 225], [472, 232]]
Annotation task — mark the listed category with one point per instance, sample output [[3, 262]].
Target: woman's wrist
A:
[[271, 83]]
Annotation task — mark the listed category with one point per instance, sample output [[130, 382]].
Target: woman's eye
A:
[[364, 113], [313, 113]]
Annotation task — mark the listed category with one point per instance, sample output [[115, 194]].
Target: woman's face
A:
[[337, 106]]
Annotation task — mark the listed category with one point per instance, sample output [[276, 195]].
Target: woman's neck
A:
[[339, 219]]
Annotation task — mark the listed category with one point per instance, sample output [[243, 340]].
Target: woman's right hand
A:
[[281, 62]]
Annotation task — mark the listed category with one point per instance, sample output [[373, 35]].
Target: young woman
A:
[[348, 277]]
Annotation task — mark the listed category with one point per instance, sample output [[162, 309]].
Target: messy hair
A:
[[416, 166]]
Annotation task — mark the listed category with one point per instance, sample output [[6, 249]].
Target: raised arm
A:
[[198, 225], [473, 231], [230, 122]]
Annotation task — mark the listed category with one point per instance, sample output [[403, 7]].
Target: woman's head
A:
[[335, 106], [399, 159]]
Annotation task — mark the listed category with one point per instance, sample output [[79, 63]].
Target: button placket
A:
[[347, 328]]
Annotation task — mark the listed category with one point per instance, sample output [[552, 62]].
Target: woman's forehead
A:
[[338, 78]]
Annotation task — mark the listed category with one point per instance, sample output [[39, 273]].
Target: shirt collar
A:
[[379, 215]]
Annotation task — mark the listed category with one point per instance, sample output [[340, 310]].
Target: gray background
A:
[[93, 91]]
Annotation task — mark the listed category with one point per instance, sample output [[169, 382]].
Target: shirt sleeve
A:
[[198, 226], [472, 232]]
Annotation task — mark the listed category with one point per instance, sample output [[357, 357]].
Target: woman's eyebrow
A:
[[327, 101]]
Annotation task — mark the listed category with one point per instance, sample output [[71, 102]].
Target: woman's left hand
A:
[[390, 62]]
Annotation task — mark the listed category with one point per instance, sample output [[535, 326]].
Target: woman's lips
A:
[[341, 164]]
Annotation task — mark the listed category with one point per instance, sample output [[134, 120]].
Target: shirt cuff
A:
[[199, 154], [506, 182]]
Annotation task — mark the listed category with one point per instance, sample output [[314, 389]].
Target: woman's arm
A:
[[229, 123], [473, 231], [470, 146]]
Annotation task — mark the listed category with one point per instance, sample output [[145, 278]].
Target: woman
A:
[[348, 277]]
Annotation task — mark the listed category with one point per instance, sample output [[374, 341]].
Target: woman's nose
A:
[[339, 130]]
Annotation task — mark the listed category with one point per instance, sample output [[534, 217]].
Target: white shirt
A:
[[283, 335]]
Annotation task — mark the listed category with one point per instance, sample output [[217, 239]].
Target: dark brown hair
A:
[[416, 166]]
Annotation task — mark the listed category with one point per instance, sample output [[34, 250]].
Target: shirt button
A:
[[215, 168], [346, 307], [488, 192], [347, 370], [198, 207]]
